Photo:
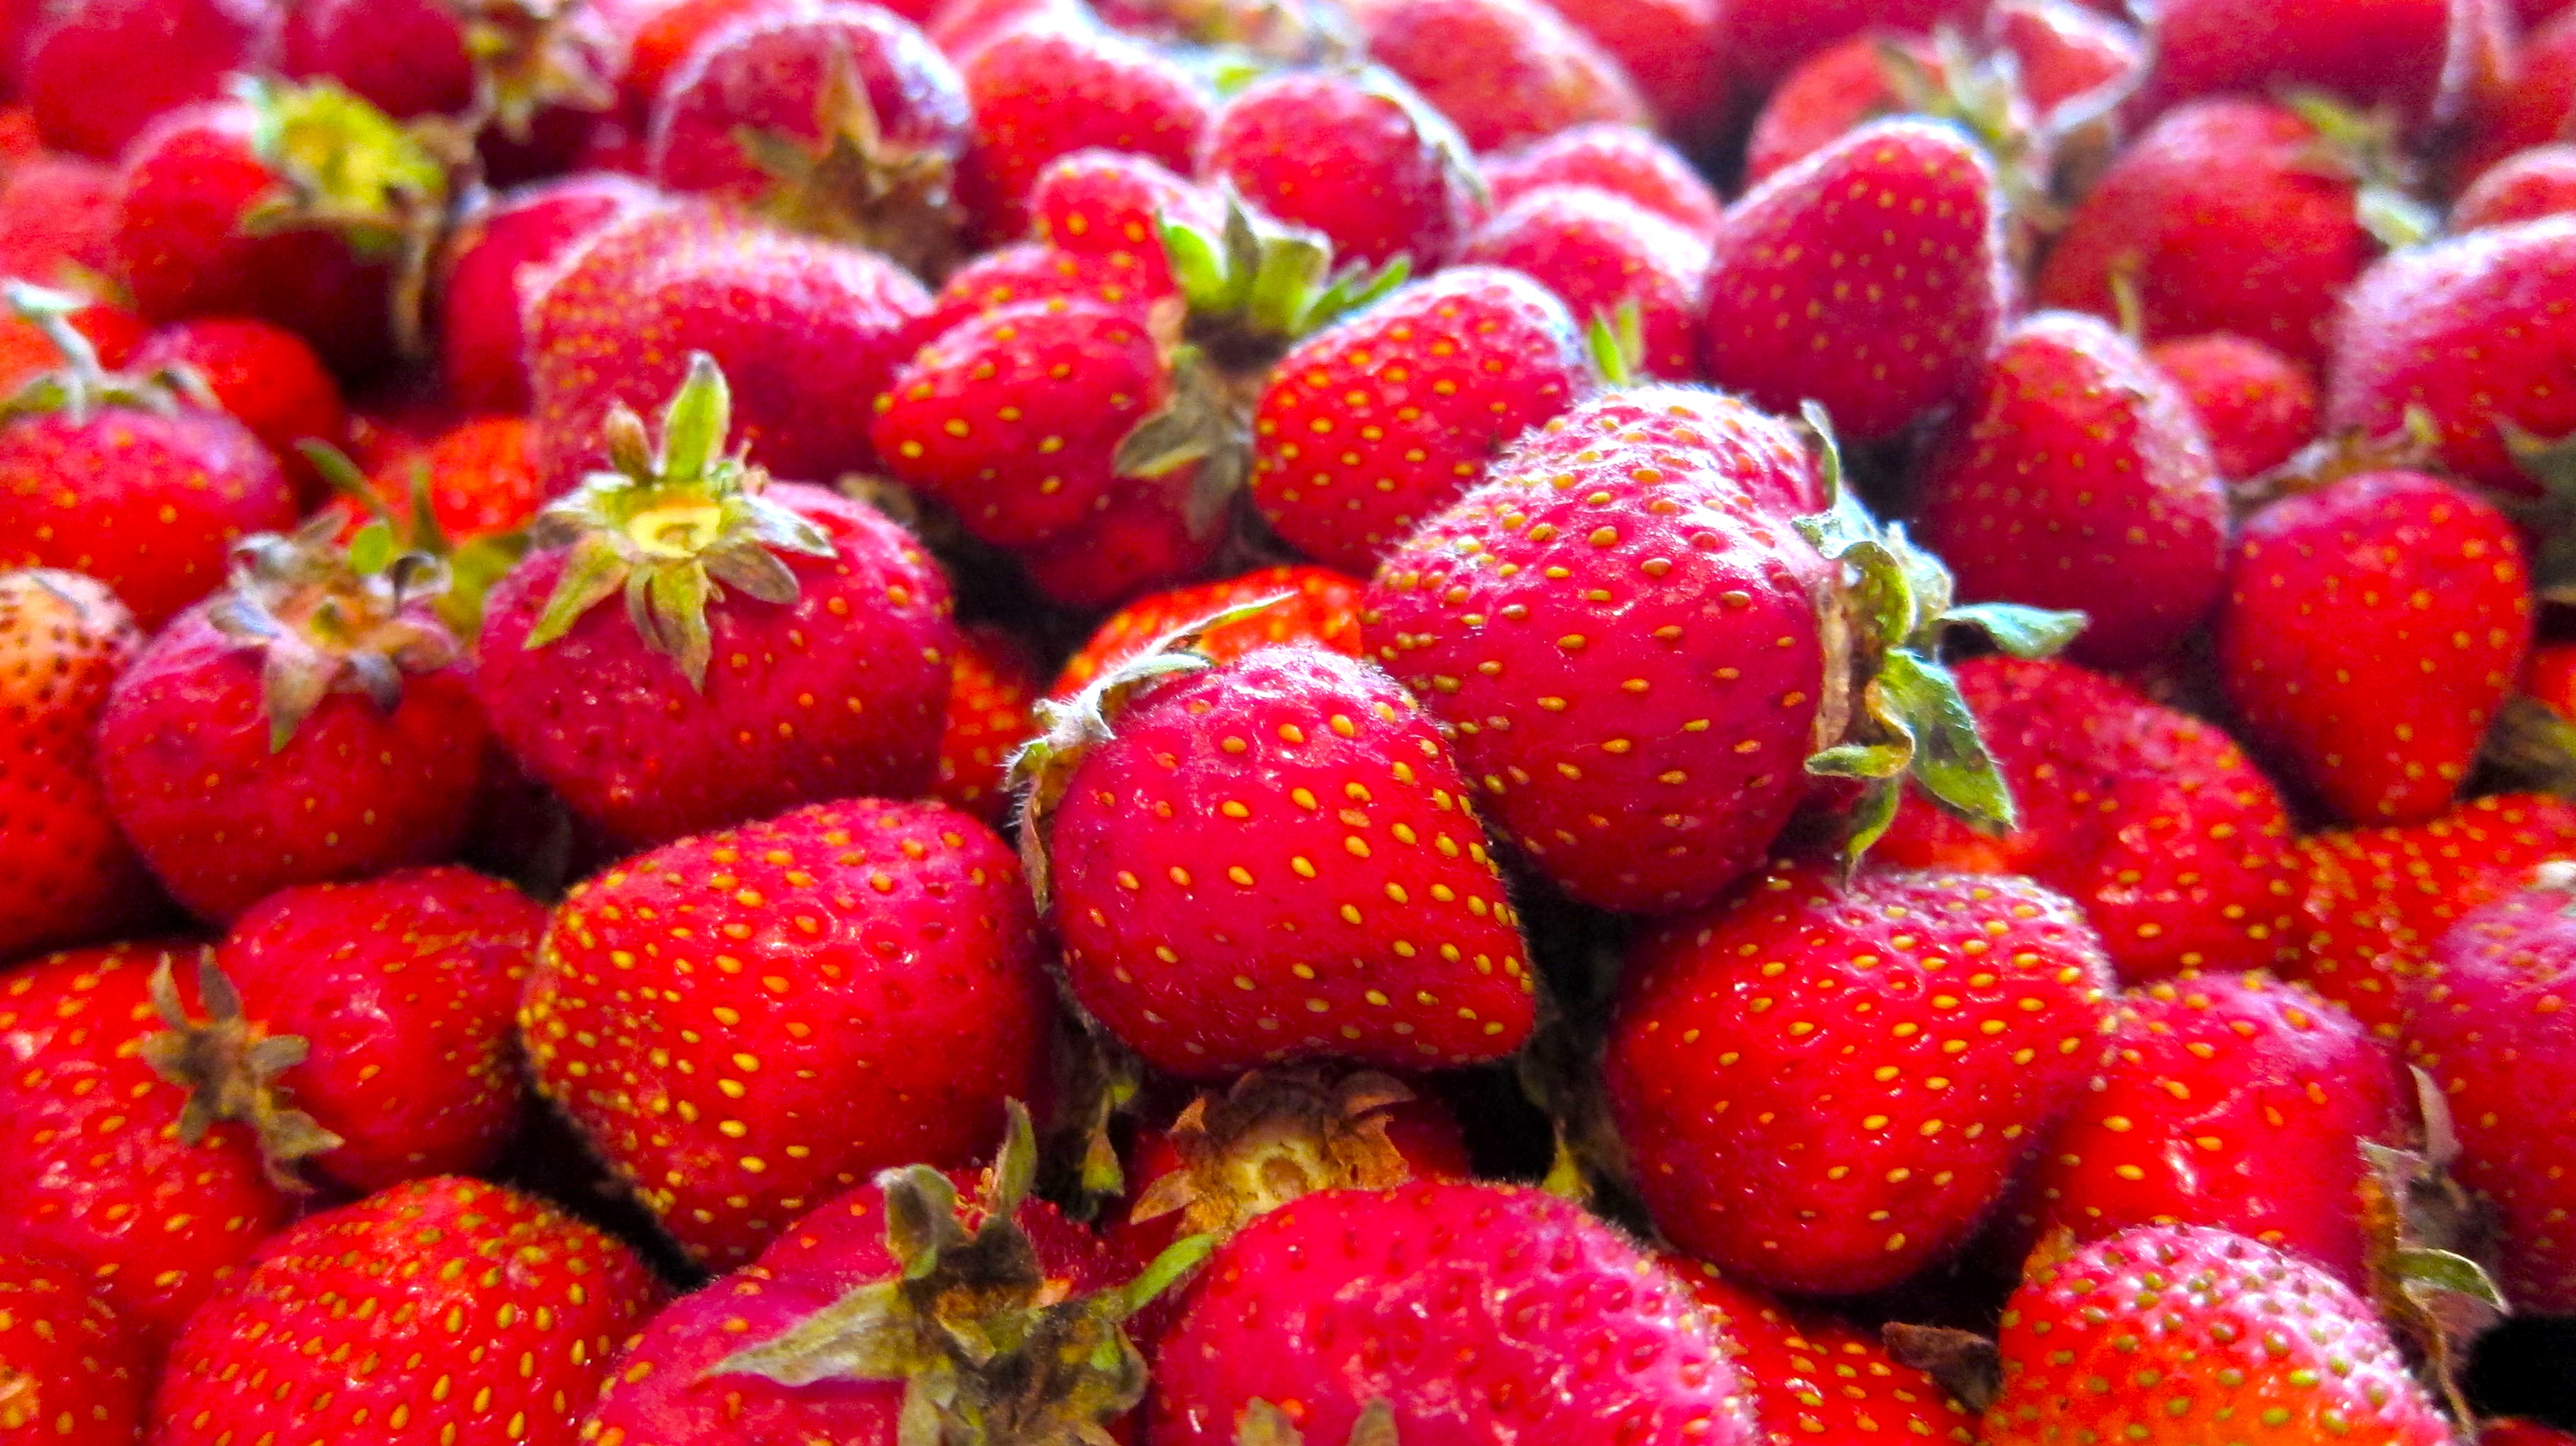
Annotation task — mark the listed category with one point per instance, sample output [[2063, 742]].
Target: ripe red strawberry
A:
[[1599, 255], [495, 248], [533, 70], [2227, 215], [1318, 607], [98, 1171], [1505, 71], [2172, 1334], [1840, 87], [1359, 158], [2398, 51], [2077, 476], [264, 375], [481, 477], [2065, 51], [1824, 1086], [2378, 586], [406, 57], [1812, 298], [1623, 160], [2462, 329], [1813, 1378], [1669, 50], [1128, 282], [1144, 538], [2482, 1019], [990, 714], [2524, 186], [2534, 109], [1373, 425], [1112, 204], [27, 352], [1305, 879], [874, 997], [66, 874], [71, 1373], [1041, 91], [2257, 406], [446, 1309], [2521, 1433], [1762, 42], [58, 221], [780, 643], [159, 53], [1476, 1312], [2176, 846]]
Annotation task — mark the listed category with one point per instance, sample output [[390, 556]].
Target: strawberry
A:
[[1360, 159], [313, 721], [2168, 1334], [2481, 1019], [58, 221], [1762, 43], [990, 714], [1813, 1377], [481, 478], [28, 352], [884, 998], [161, 54], [1895, 317], [1042, 91], [1128, 282], [2460, 329], [2229, 214], [1112, 204], [2521, 1433], [2176, 846], [264, 375], [2078, 476], [2381, 585], [499, 243], [99, 1173], [2533, 110], [164, 488], [780, 643], [1505, 71], [1376, 423], [1315, 606], [66, 874], [825, 117], [811, 331], [1475, 1312], [1623, 160], [1142, 538], [405, 57], [1840, 87], [960, 28], [2398, 51], [1669, 50], [367, 1307], [1305, 880], [2066, 52], [658, 36], [71, 1373], [1814, 1099], [1598, 254], [2524, 186], [529, 70], [2257, 406]]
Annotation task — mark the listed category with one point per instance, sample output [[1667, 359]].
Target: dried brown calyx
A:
[[1274, 1136], [230, 1065]]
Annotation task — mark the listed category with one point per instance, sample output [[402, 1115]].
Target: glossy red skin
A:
[[2386, 584], [81, 1371], [1683, 428], [2154, 821], [1816, 1378], [2521, 1433], [1319, 608], [407, 57], [97, 1172], [368, 1305], [223, 821], [482, 478], [766, 70], [2483, 1019], [1762, 41], [1785, 1155], [2234, 225], [264, 375], [1317, 148], [2524, 186], [989, 717], [1598, 254], [1142, 540], [2228, 1326], [2257, 407], [839, 694], [495, 252], [162, 54], [2077, 476], [2535, 109], [1480, 1313], [2232, 1101], [1318, 889], [898, 1023], [2064, 50], [2463, 329], [1650, 799], [1504, 71], [161, 500], [1374, 424], [66, 875], [807, 331], [1109, 204], [1905, 313], [1041, 91], [58, 219], [1126, 282], [1623, 160], [2360, 50], [1843, 86], [405, 987], [1669, 49]]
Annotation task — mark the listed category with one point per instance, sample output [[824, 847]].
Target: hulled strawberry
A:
[[1044, 90], [1622, 160], [1602, 259], [2382, 585], [1360, 159], [497, 244], [446, 1310], [1475, 1312], [1812, 1376], [1305, 878], [2524, 186], [2166, 1334], [1506, 71], [991, 712], [859, 988], [2257, 406], [66, 874], [71, 1372], [779, 644], [1314, 606], [1867, 278], [1823, 1086], [161, 54]]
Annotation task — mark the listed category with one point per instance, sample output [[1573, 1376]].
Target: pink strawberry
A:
[[1599, 256], [2524, 186], [71, 1372], [1309, 882], [161, 53], [2257, 406], [2399, 51], [1042, 91], [871, 995], [2378, 586], [492, 252], [1475, 1312], [1620, 159], [780, 644], [1505, 71], [1888, 318], [1362, 160], [263, 374]]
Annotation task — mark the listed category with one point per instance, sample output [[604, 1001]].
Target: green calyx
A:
[[855, 185], [1895, 705], [2368, 148], [1263, 1424], [230, 1066], [328, 618], [672, 528], [2429, 1243], [528, 58], [1981, 93], [989, 1352], [472, 567], [1253, 36], [81, 385]]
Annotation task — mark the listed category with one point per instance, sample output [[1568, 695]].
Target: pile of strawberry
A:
[[1014, 722]]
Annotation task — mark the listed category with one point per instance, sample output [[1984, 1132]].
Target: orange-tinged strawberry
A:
[[991, 703], [482, 477], [1817, 1379], [1316, 606], [66, 874]]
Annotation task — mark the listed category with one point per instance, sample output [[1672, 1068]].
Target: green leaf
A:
[[753, 571], [372, 549], [1285, 279], [2024, 632], [1871, 818], [863, 1336], [1863, 760], [921, 1217], [294, 679], [1196, 263], [593, 572], [696, 422], [1015, 1169], [1950, 758], [1177, 1260], [2420, 1267], [676, 604]]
